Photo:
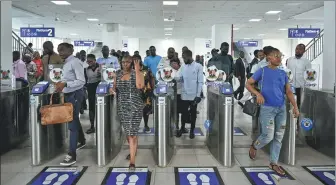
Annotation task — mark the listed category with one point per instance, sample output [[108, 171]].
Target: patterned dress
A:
[[129, 104]]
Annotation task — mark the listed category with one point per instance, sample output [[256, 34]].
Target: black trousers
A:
[[240, 90], [189, 115], [91, 89], [298, 96]]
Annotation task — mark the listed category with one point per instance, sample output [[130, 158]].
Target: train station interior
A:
[[149, 92]]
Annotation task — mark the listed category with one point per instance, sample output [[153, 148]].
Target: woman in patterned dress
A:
[[128, 87]]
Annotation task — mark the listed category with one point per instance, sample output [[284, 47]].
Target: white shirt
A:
[[298, 66]]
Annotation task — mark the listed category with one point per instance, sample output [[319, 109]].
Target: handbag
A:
[[252, 108], [56, 113]]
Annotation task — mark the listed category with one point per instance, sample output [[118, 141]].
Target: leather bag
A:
[[56, 113], [252, 108]]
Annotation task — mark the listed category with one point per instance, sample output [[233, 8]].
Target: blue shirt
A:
[[152, 63], [73, 74], [272, 83], [192, 77], [110, 61]]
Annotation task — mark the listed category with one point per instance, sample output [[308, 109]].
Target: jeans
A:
[[75, 127], [273, 125]]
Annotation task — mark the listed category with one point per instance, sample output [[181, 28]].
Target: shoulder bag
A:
[[252, 108]]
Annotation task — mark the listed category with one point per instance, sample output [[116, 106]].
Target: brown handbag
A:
[[57, 113]]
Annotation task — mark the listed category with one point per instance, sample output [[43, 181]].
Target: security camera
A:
[[57, 19]]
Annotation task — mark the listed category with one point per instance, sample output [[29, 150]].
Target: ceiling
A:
[[145, 19]]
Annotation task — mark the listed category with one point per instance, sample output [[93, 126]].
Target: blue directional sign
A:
[[58, 175], [325, 174], [197, 175], [140, 176], [37, 32], [307, 124], [245, 43], [303, 32], [263, 175], [84, 43]]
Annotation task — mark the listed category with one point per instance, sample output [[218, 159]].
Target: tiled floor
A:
[[16, 168]]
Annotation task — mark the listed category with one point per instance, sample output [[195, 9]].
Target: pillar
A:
[[221, 33], [111, 36], [6, 57], [328, 68]]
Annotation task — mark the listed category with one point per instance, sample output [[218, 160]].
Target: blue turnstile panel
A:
[[103, 88], [226, 88], [40, 87]]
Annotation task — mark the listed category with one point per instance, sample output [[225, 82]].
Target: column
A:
[[111, 36], [6, 57], [221, 33], [328, 68]]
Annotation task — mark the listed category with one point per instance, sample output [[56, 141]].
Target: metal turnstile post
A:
[[164, 126], [47, 141], [103, 131]]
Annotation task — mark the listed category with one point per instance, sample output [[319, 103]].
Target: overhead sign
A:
[[325, 174], [37, 32], [238, 132], [208, 44], [263, 175], [122, 176], [197, 175], [84, 43], [245, 43], [303, 32], [58, 175]]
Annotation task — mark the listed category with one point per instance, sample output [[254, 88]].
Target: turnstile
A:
[[164, 119], [109, 137], [220, 131], [47, 140]]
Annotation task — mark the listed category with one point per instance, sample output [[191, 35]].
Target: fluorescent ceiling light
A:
[[273, 12], [283, 29], [168, 29], [73, 34], [247, 38], [168, 20], [61, 2], [235, 28], [77, 11], [255, 20], [171, 3], [92, 19], [168, 34], [261, 34]]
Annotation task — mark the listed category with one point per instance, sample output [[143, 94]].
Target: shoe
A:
[[131, 167], [91, 130], [179, 133], [197, 112], [68, 161], [147, 130], [81, 111], [191, 135], [81, 145]]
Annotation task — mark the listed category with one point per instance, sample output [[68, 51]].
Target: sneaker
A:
[[80, 146], [91, 130], [147, 129], [81, 111], [68, 161], [191, 135]]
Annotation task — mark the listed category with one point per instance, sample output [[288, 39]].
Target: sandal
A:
[[131, 167], [252, 152], [277, 169]]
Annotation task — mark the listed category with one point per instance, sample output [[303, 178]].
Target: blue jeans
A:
[[273, 125], [75, 127]]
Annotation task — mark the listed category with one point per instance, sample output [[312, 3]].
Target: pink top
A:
[[20, 69]]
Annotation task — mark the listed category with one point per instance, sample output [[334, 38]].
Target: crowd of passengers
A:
[[135, 81]]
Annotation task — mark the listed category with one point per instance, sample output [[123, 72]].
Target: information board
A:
[[37, 32]]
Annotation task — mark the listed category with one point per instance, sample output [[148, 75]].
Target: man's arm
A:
[[200, 80], [80, 78]]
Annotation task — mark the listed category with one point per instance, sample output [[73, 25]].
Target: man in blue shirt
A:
[[153, 60], [192, 76], [274, 87], [109, 61]]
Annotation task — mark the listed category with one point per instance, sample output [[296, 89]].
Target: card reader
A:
[[226, 88], [40, 87], [103, 88]]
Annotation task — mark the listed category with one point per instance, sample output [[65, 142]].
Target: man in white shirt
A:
[[165, 61], [298, 65]]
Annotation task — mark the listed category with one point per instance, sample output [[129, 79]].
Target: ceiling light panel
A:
[[283, 29], [168, 20], [273, 12], [61, 2], [73, 34], [170, 3], [92, 19], [255, 20], [168, 34], [235, 29], [168, 29], [77, 11]]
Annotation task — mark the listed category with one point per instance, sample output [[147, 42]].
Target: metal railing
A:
[[18, 44], [315, 47]]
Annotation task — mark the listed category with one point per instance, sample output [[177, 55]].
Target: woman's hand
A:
[[137, 65], [260, 99], [112, 91]]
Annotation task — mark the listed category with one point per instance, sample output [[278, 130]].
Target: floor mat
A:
[[263, 175], [197, 175], [324, 173], [122, 175]]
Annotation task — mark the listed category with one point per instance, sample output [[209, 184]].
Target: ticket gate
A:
[[220, 123], [107, 122], [47, 141], [164, 118]]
